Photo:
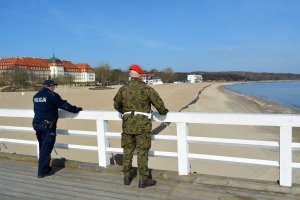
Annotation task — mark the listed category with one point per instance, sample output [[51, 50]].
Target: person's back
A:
[[133, 101], [45, 105], [137, 96]]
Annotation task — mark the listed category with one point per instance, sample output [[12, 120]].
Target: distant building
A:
[[150, 78], [155, 81], [194, 78], [49, 68]]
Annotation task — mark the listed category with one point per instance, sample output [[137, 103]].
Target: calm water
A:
[[284, 93]]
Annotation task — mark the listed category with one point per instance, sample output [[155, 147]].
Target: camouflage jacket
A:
[[137, 96]]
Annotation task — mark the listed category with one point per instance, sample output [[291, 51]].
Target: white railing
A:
[[285, 121]]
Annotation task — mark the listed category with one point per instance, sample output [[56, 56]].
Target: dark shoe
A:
[[50, 172], [147, 183], [127, 180], [42, 176]]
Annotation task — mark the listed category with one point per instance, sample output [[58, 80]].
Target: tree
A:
[[168, 75], [118, 76], [153, 71], [181, 76], [34, 78], [63, 80], [102, 72], [4, 78], [19, 77]]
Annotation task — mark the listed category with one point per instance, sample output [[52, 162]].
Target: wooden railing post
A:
[[183, 149], [285, 156], [103, 156]]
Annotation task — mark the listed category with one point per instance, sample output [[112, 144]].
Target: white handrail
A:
[[285, 121]]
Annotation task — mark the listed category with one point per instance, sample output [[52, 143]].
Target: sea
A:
[[286, 93]]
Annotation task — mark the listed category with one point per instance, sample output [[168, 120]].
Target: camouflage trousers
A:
[[142, 143]]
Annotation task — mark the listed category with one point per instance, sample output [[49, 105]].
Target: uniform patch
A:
[[41, 99]]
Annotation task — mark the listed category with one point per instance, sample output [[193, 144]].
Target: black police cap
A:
[[48, 83]]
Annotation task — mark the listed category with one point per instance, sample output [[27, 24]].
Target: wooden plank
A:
[[209, 192], [94, 184], [40, 190], [75, 175], [70, 187], [9, 192], [18, 181]]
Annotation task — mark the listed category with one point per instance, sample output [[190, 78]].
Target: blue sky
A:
[[185, 35]]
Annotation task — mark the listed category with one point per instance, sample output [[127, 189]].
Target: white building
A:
[[149, 78], [49, 68], [194, 78], [155, 81]]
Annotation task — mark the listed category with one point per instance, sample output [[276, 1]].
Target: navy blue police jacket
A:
[[46, 104]]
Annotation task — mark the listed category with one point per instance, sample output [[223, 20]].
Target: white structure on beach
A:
[[194, 78], [155, 81], [150, 78]]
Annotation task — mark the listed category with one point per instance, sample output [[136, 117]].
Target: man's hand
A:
[[164, 112], [78, 109]]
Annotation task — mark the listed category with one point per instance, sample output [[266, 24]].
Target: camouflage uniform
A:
[[137, 96]]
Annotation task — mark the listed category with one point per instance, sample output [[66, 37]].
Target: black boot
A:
[[49, 173], [127, 180], [147, 183]]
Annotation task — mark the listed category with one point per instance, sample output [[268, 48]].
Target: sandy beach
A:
[[206, 97]]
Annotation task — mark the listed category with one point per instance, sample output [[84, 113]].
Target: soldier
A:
[[45, 105], [133, 101]]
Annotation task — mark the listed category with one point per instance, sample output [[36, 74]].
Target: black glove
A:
[[78, 109], [164, 112]]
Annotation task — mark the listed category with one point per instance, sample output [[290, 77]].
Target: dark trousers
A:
[[46, 138]]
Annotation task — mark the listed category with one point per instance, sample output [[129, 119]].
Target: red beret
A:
[[136, 68]]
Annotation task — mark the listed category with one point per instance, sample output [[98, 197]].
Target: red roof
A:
[[41, 62], [85, 67]]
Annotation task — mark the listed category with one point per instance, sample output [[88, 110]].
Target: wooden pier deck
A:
[[86, 181]]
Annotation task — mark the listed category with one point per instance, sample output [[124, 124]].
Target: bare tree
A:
[[4, 78], [153, 71], [64, 80], [102, 73], [19, 77], [118, 76], [168, 75]]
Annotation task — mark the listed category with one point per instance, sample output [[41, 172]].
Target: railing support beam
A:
[[103, 156], [183, 149], [285, 156]]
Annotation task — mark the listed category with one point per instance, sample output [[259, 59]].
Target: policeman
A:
[[133, 101], [45, 104]]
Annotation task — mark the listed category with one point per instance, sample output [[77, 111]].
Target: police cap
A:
[[48, 83]]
